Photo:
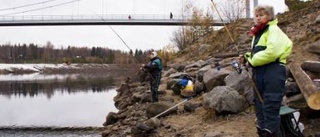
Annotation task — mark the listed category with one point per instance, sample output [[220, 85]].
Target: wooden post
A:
[[310, 92], [313, 66]]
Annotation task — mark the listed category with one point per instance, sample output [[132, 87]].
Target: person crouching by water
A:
[[269, 52], [154, 68]]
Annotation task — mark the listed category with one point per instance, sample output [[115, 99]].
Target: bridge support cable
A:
[[36, 9], [27, 5]]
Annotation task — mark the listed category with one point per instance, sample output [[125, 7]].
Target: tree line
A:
[[33, 53]]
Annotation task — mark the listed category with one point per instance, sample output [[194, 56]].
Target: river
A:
[[54, 105]]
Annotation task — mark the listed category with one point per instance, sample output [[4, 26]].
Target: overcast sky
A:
[[137, 37]]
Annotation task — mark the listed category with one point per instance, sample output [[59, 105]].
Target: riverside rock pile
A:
[[221, 94], [220, 91], [222, 106]]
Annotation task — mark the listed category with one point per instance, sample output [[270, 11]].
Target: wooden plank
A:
[[310, 92]]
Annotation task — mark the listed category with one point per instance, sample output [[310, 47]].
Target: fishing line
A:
[[123, 43], [225, 26], [252, 81]]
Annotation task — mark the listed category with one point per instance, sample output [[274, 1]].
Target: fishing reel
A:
[[237, 66]]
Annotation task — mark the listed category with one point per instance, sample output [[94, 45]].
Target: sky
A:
[[136, 37]]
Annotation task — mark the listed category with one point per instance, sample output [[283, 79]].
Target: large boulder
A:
[[146, 97], [178, 75], [214, 77], [177, 66], [201, 71], [191, 107], [211, 61], [199, 87], [171, 83], [159, 107], [239, 82], [224, 100], [136, 97], [204, 69], [169, 72], [111, 118], [153, 122], [162, 88], [197, 64]]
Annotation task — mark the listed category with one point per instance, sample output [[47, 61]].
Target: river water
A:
[[54, 102]]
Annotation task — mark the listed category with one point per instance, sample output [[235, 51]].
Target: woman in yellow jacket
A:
[[270, 49]]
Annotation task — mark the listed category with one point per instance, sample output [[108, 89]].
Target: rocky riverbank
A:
[[135, 107], [222, 106]]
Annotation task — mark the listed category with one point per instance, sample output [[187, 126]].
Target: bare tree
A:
[[231, 10], [47, 51], [178, 39], [200, 24]]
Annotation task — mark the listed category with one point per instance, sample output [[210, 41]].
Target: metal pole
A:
[[173, 107], [255, 3], [182, 26], [247, 8]]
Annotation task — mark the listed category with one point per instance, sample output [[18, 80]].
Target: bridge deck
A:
[[95, 20]]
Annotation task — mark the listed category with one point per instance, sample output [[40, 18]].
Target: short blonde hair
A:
[[266, 9]]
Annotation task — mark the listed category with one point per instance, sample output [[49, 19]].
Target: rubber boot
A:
[[259, 132], [267, 133]]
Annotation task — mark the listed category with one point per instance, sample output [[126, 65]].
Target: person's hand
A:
[[247, 65], [142, 65], [241, 59]]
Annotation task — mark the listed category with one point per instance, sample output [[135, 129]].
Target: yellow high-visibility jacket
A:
[[274, 45]]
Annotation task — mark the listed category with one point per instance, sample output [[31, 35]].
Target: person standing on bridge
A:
[[269, 52], [154, 68], [171, 16]]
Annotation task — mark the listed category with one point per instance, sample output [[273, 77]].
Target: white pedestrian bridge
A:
[[115, 19]]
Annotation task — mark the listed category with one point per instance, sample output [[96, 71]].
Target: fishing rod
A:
[[116, 34], [155, 118], [236, 64], [225, 26], [123, 43]]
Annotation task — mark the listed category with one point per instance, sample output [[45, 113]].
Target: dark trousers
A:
[[154, 85], [270, 81]]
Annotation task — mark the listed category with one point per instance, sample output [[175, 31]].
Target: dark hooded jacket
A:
[[154, 67]]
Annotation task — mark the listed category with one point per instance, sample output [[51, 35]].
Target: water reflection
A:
[[68, 84], [77, 101]]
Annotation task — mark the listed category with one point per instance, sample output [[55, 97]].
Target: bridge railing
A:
[[92, 17]]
